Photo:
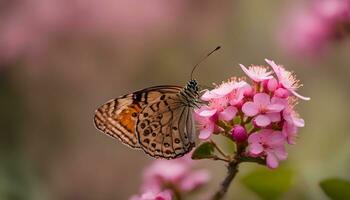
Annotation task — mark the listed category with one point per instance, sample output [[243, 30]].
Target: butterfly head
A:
[[190, 93], [192, 85]]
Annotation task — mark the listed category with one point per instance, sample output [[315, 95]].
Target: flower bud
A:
[[248, 91], [272, 84], [239, 134], [281, 93]]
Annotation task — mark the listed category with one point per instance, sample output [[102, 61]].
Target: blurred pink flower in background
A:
[[309, 31], [177, 175], [164, 195], [27, 26]]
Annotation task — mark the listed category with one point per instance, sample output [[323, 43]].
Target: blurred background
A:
[[60, 59]]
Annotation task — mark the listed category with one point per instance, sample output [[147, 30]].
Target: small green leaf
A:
[[204, 150], [269, 184], [336, 189]]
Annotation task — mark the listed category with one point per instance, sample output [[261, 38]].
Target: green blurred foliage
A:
[[269, 184], [336, 188]]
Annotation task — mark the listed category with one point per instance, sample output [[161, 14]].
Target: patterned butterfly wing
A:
[[118, 117], [165, 126]]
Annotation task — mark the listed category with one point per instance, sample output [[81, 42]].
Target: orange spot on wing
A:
[[127, 117]]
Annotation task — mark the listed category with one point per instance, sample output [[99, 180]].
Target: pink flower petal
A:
[[250, 109], [280, 153], [298, 122], [256, 73], [271, 160], [207, 112], [274, 117], [254, 138], [194, 180], [262, 99], [276, 139], [228, 114], [236, 97], [278, 100], [223, 90], [255, 148], [275, 108], [275, 67], [262, 120], [205, 134], [290, 132], [208, 95]]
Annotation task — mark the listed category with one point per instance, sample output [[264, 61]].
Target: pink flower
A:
[[290, 132], [292, 117], [334, 11], [291, 124], [194, 180], [305, 34], [222, 109], [269, 143], [286, 79], [257, 73], [265, 109], [177, 172], [151, 195], [206, 118], [309, 31], [223, 90]]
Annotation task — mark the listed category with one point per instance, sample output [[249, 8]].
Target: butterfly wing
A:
[[118, 117], [165, 127]]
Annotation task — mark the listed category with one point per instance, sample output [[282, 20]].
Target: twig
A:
[[232, 171], [222, 159]]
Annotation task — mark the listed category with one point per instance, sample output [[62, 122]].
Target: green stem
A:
[[219, 149]]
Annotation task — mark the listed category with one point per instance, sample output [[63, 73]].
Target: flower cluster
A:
[[258, 116], [308, 31], [165, 179]]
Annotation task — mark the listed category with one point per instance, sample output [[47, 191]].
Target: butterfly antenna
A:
[[217, 48]]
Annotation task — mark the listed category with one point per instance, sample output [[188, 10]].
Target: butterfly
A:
[[157, 119]]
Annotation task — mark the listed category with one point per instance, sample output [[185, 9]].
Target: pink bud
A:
[[281, 93], [239, 134], [248, 91], [272, 84]]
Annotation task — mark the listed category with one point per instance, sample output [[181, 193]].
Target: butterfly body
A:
[[157, 120]]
